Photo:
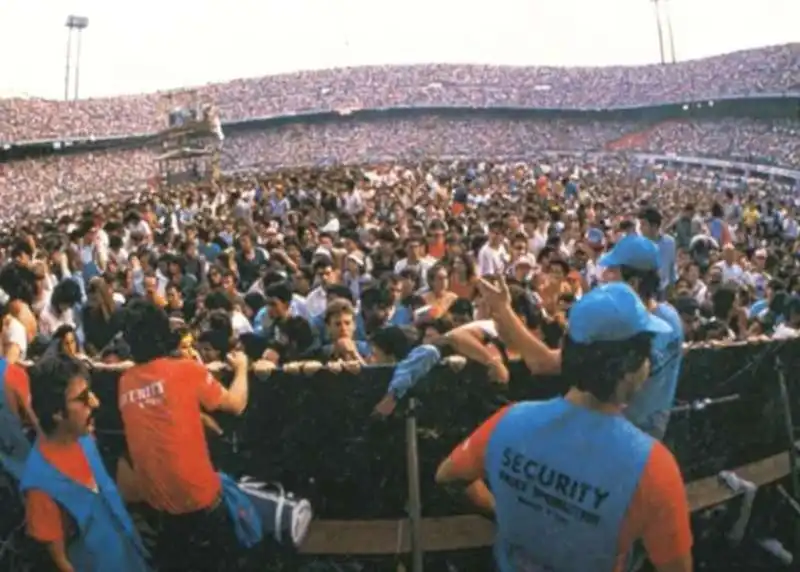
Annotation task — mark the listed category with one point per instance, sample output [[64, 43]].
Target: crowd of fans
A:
[[774, 142], [374, 222], [338, 267], [343, 244], [760, 71], [64, 180]]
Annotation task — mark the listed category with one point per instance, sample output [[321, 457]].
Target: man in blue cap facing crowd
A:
[[573, 483], [634, 260]]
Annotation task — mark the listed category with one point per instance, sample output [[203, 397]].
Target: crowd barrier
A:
[[371, 479], [315, 434]]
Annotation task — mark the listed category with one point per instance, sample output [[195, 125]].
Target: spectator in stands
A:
[[650, 222]]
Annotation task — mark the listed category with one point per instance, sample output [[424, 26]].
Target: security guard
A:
[[574, 483], [635, 261]]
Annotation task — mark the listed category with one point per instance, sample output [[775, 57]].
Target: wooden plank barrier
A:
[[385, 537]]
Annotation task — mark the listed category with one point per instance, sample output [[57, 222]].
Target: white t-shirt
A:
[[49, 322], [15, 334], [240, 324], [731, 272], [491, 260]]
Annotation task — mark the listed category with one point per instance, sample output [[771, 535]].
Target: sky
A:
[[147, 45]]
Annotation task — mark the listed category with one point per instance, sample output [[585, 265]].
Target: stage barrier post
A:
[[414, 494]]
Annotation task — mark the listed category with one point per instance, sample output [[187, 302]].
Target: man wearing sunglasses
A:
[[72, 505]]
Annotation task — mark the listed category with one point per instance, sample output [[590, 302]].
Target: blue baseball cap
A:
[[634, 250], [612, 313]]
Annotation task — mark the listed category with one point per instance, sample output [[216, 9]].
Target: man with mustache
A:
[[72, 505]]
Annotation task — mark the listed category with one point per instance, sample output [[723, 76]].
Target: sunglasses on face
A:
[[84, 397]]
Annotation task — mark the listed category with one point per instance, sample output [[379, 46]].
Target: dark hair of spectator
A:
[[19, 282], [147, 331], [255, 301], [722, 301], [413, 302], [395, 341], [647, 282], [271, 277], [375, 297], [300, 338], [412, 274], [441, 325], [431, 273], [38, 346], [66, 293], [341, 292], [558, 261], [322, 263], [62, 331], [219, 300], [280, 291], [477, 241], [598, 368], [525, 306], [49, 379], [651, 215], [21, 246]]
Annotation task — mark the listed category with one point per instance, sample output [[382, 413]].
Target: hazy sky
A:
[[148, 45]]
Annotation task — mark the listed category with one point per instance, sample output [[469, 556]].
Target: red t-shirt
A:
[[18, 392], [160, 403]]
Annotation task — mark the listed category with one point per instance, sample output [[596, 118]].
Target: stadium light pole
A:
[[656, 5], [668, 14], [69, 53], [78, 24]]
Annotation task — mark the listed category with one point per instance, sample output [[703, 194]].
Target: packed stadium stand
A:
[[739, 105], [771, 70]]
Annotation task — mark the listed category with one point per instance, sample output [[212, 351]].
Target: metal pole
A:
[[669, 34], [78, 62], [414, 495], [69, 54], [660, 32]]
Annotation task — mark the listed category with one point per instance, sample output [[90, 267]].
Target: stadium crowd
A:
[[775, 141], [349, 243], [751, 72], [338, 267], [61, 180]]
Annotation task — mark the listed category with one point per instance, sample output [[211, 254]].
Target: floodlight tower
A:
[[656, 6], [668, 15], [77, 24]]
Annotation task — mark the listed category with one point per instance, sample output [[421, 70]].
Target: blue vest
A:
[[563, 477], [649, 408], [107, 539], [14, 444]]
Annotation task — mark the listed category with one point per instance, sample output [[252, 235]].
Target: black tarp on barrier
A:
[[315, 435]]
